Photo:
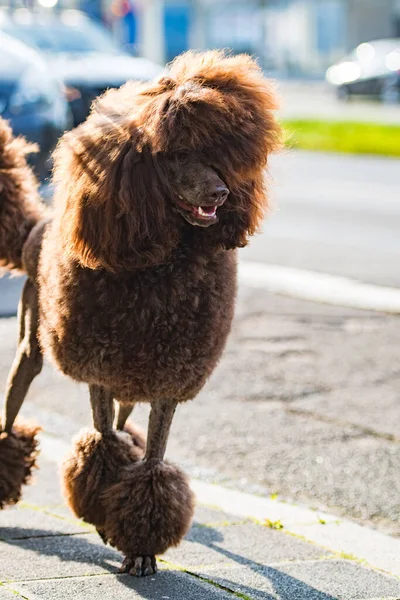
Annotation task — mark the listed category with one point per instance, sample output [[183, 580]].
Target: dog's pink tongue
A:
[[207, 211]]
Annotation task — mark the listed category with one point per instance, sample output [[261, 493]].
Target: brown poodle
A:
[[131, 285]]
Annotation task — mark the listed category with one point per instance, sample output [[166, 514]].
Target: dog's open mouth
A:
[[198, 215]]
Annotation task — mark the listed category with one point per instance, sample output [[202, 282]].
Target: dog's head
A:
[[154, 160], [199, 192]]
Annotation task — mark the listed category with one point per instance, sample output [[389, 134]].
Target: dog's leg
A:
[[155, 499], [122, 424], [102, 404], [28, 361], [160, 421], [18, 444], [124, 412]]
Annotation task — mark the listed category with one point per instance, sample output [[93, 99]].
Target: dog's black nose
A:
[[219, 194]]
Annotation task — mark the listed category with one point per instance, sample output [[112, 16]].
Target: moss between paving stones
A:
[[175, 567]]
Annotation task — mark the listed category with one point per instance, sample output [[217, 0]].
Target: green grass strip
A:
[[343, 136]]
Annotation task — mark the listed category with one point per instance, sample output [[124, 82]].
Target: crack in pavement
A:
[[364, 431]]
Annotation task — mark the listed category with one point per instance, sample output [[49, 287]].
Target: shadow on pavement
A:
[[285, 587], [75, 548], [69, 548]]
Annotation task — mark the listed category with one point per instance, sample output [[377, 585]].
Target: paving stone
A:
[[346, 580], [75, 555], [383, 552], [240, 544], [16, 523], [316, 580], [166, 585], [213, 516]]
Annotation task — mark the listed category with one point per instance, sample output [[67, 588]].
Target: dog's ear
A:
[[114, 214]]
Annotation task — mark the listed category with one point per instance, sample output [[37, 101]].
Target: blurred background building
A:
[[291, 37], [294, 37]]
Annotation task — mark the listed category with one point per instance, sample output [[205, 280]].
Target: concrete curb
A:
[[319, 287]]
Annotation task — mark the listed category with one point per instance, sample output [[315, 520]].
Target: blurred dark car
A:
[[80, 52], [372, 69], [31, 99]]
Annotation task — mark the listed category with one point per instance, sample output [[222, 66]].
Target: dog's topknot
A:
[[206, 102], [217, 104]]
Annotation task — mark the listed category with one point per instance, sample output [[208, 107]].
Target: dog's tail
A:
[[20, 205]]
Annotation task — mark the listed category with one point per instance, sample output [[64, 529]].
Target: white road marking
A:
[[319, 287], [344, 193], [379, 550]]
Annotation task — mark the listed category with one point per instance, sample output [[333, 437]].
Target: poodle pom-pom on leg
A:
[[148, 511], [18, 453], [138, 503], [91, 467], [96, 461], [18, 443], [151, 507]]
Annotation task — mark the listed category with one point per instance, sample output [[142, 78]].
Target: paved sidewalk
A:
[[47, 553]]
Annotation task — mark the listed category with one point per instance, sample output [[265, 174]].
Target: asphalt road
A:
[[335, 214], [318, 100]]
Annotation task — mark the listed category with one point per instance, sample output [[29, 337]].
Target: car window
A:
[[59, 37]]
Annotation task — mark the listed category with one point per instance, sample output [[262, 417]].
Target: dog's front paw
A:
[[139, 566]]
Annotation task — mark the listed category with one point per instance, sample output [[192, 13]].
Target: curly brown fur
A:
[[94, 464], [18, 453], [149, 510], [20, 205], [119, 247]]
